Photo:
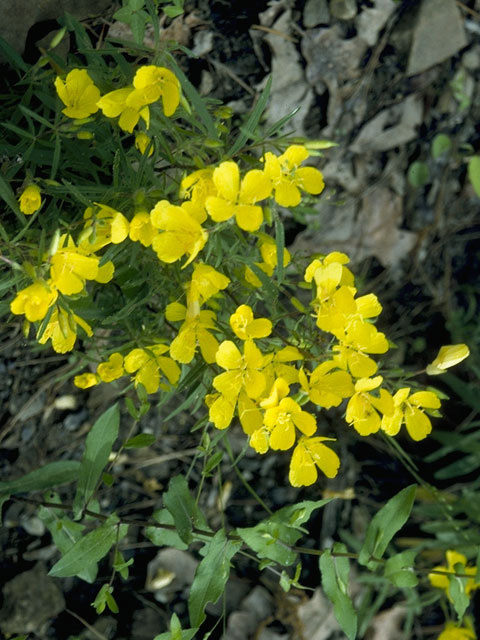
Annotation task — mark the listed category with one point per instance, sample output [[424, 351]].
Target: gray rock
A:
[[18, 16], [29, 601], [438, 35]]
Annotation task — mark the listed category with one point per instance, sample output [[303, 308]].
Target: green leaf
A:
[[196, 100], [418, 174], [141, 440], [89, 549], [98, 447], [164, 537], [399, 570], [273, 538], [211, 576], [13, 57], [456, 591], [213, 461], [474, 173], [335, 584], [441, 145], [280, 242], [65, 533], [385, 525], [6, 193], [181, 504], [51, 475], [250, 126]]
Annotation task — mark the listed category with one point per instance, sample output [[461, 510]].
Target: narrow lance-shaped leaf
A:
[[98, 447], [211, 576], [249, 129], [89, 549], [51, 475], [335, 585], [385, 525]]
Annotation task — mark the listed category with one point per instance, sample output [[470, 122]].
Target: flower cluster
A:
[[81, 97], [273, 381]]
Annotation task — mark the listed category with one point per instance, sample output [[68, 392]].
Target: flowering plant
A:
[[162, 268]]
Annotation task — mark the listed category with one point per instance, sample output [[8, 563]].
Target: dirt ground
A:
[[382, 79]]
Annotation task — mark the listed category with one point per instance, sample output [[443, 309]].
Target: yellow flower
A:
[[408, 410], [148, 363], [34, 301], [198, 186], [62, 330], [360, 338], [335, 257], [363, 408], [309, 454], [327, 388], [246, 327], [282, 415], [112, 369], [454, 632], [141, 229], [195, 331], [102, 226], [30, 200], [237, 198], [78, 93], [241, 371], [443, 581], [278, 367], [205, 283], [181, 235], [152, 83], [70, 268], [86, 380], [142, 142], [118, 103], [448, 356], [288, 178]]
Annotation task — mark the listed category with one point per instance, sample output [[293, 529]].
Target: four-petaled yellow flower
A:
[[141, 229], [112, 369], [288, 178], [148, 363], [309, 454], [409, 410], [246, 327], [30, 200], [118, 103], [194, 332], [35, 300], [181, 235], [70, 268], [102, 226], [78, 93], [363, 409], [206, 282], [152, 83], [238, 197]]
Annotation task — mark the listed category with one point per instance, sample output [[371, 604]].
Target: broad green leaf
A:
[[98, 447], [399, 570], [141, 440], [335, 585], [51, 475], [273, 538], [89, 549], [164, 537], [441, 145], [474, 173], [181, 504], [65, 533], [418, 174], [211, 576], [385, 525], [248, 129]]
